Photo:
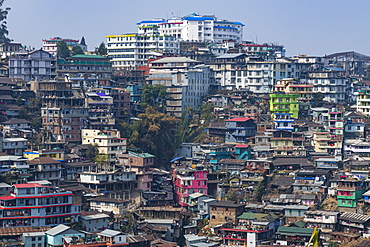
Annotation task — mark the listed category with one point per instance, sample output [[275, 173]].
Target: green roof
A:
[[143, 155], [258, 216], [299, 223], [88, 56], [285, 230]]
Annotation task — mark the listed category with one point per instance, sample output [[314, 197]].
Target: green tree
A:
[[77, 50], [36, 123], [62, 50], [83, 42], [317, 99], [92, 151], [155, 133], [103, 162], [3, 28], [154, 96], [101, 50]]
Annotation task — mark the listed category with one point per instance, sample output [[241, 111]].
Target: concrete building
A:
[[187, 82], [132, 50], [33, 65], [195, 27], [45, 168], [225, 211], [36, 205], [239, 129], [50, 45], [109, 142]]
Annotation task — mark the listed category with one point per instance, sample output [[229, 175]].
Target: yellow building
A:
[[56, 154]]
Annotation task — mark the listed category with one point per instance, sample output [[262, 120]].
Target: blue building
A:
[[240, 129]]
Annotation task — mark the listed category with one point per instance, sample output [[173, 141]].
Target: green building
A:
[[284, 103], [350, 190]]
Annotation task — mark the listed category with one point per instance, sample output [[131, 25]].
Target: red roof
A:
[[5, 198], [241, 145], [239, 119], [31, 185]]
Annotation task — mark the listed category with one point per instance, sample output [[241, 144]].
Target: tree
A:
[[92, 151], [3, 28], [154, 96], [62, 50], [101, 50], [83, 42], [154, 133], [77, 50], [317, 99]]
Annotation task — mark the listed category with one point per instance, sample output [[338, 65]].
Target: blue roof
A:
[[142, 22], [238, 23], [198, 18], [283, 113], [225, 27], [177, 158]]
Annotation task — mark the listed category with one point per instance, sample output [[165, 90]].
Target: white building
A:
[[195, 27], [331, 82], [31, 65], [126, 51], [50, 45], [95, 222], [187, 82], [109, 141]]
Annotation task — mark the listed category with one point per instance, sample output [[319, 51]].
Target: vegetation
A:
[[154, 96], [77, 50], [3, 28], [62, 50], [92, 151], [83, 42], [317, 99], [101, 50]]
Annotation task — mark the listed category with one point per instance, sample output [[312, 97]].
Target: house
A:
[[32, 239], [240, 129], [94, 222], [112, 237], [14, 146], [54, 236], [325, 220], [293, 236], [251, 229], [294, 213], [225, 211], [354, 223], [108, 204], [45, 168]]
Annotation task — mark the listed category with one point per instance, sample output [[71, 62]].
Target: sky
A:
[[311, 27]]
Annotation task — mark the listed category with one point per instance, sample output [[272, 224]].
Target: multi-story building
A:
[[325, 220], [287, 143], [63, 110], [188, 181], [141, 163], [37, 64], [35, 205], [290, 85], [85, 70], [239, 129], [99, 104], [51, 45], [121, 102], [45, 168], [8, 49], [14, 146], [324, 142], [283, 121], [225, 211], [187, 82], [284, 103], [128, 51], [250, 230], [109, 142], [363, 101], [350, 190], [331, 82], [195, 27]]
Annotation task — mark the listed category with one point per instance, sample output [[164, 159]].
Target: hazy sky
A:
[[312, 27]]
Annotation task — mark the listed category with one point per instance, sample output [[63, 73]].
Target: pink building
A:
[[141, 164], [188, 181]]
